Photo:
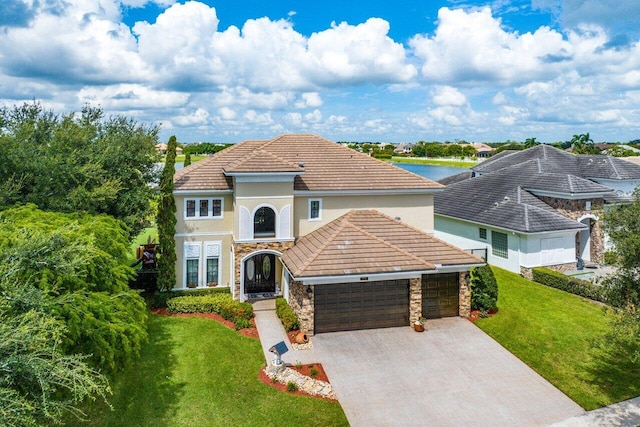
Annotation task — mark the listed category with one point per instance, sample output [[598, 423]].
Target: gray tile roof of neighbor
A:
[[320, 164], [503, 192]]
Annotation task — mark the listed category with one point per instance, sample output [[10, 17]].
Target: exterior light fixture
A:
[[309, 291]]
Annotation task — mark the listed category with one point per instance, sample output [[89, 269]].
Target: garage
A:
[[440, 295], [361, 305]]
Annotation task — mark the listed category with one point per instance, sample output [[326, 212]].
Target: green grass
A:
[[435, 162], [561, 336], [194, 158], [196, 372]]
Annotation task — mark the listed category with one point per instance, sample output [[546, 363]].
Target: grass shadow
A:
[[145, 393]]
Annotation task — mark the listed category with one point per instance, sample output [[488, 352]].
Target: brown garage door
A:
[[366, 305], [440, 295]]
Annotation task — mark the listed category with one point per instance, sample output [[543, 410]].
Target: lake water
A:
[[431, 172]]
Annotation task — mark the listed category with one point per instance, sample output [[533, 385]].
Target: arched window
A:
[[264, 223]]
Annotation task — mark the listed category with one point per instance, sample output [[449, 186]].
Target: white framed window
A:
[[315, 209], [499, 244], [482, 233], [203, 208], [201, 268]]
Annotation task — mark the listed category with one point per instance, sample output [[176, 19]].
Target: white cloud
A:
[[196, 118], [130, 96], [227, 113], [447, 95], [309, 99]]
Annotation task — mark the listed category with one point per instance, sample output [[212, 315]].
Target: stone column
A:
[[464, 297], [302, 306], [415, 299]]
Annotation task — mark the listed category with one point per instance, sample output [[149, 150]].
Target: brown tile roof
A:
[[368, 242], [327, 167]]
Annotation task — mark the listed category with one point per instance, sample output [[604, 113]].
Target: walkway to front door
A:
[[260, 276]]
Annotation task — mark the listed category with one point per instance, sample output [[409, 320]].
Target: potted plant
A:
[[418, 325], [192, 285], [212, 284]]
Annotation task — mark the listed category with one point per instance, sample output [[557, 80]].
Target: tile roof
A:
[[327, 166], [368, 242]]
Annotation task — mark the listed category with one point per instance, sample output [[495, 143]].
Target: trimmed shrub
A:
[[292, 386], [159, 299], [484, 289], [287, 316], [220, 303], [569, 284]]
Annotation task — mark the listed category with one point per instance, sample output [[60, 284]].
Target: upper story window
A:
[[202, 208], [264, 223], [315, 209]]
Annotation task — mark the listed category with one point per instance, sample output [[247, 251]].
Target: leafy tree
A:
[[78, 162], [583, 144], [166, 221], [453, 150], [622, 224], [509, 146], [530, 142], [620, 151], [484, 289], [187, 159], [204, 148], [82, 258]]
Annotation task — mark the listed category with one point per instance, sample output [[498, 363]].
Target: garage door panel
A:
[[366, 305], [440, 295]]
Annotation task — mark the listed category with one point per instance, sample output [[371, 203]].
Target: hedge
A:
[[569, 284], [159, 299], [240, 313], [287, 316]]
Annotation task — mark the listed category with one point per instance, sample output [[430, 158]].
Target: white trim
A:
[[352, 278], [201, 192], [393, 191], [585, 216], [204, 234], [263, 197], [202, 248], [319, 218], [269, 240], [210, 214], [510, 230]]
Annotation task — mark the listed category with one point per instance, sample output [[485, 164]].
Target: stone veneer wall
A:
[[575, 209], [302, 306], [241, 250], [415, 300], [527, 273], [464, 296]]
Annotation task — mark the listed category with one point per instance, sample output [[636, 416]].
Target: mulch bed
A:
[[475, 315], [251, 332]]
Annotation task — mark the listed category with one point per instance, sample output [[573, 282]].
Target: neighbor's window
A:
[[499, 244], [203, 208], [483, 233], [315, 207]]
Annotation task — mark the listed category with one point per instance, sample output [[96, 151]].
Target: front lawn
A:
[[556, 334], [196, 372]]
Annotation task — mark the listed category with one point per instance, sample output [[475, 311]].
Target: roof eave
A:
[[568, 196], [497, 227], [359, 192]]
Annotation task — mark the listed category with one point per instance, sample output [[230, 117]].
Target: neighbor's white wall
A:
[[560, 248]]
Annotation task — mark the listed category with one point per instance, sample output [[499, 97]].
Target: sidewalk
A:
[[272, 332], [623, 414]]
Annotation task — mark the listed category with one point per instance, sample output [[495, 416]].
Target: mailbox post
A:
[[279, 349]]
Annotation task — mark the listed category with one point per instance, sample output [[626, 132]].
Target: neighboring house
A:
[[482, 150], [537, 207], [162, 149], [345, 238]]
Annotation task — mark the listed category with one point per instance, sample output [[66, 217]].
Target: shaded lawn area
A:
[[560, 336], [196, 372]]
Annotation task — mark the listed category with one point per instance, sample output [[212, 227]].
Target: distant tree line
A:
[[203, 148]]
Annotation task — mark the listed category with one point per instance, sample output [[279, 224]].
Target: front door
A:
[[260, 274]]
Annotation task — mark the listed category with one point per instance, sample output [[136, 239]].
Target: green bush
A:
[[569, 284], [240, 313], [159, 299], [292, 386], [610, 258], [287, 316], [484, 289]]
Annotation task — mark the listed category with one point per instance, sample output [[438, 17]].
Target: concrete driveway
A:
[[453, 374]]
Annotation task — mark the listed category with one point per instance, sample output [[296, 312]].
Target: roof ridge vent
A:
[[301, 164], [506, 198], [496, 204]]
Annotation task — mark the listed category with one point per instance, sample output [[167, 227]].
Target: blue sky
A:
[[357, 71]]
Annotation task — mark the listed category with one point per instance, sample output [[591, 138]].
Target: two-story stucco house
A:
[[346, 239]]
